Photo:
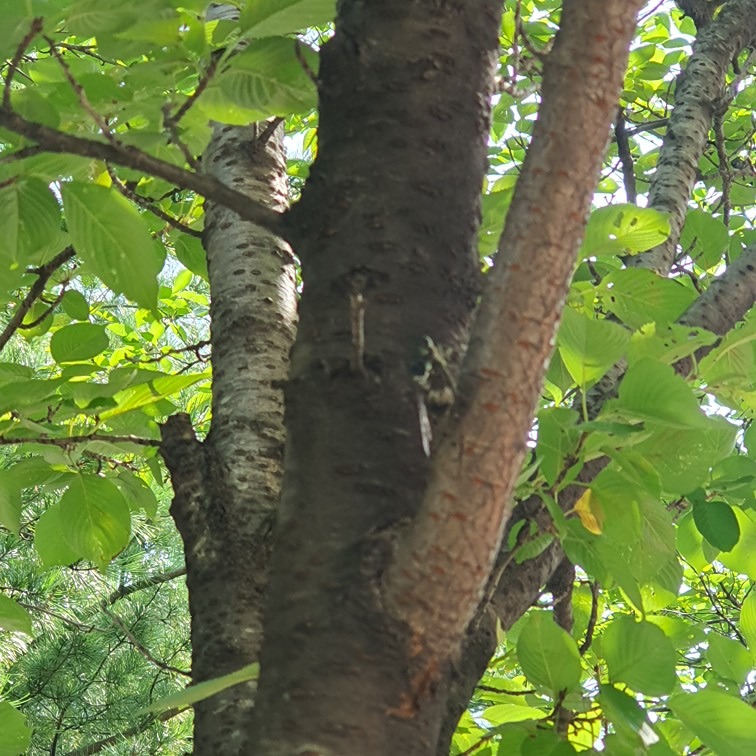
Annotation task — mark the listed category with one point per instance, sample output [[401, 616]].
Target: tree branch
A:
[[52, 140], [44, 272], [700, 88], [441, 567]]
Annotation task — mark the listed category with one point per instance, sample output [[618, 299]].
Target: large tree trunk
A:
[[386, 231]]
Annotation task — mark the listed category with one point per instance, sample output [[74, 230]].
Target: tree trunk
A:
[[227, 487], [386, 231]]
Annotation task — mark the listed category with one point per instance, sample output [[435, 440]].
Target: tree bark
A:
[[386, 231], [437, 580], [227, 487]]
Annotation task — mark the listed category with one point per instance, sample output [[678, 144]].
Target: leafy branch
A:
[[114, 151], [44, 273]]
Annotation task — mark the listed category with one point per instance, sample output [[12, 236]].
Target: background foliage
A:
[[104, 332]]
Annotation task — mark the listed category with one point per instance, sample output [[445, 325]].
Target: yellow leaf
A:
[[590, 513]]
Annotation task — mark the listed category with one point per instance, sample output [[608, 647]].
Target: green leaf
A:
[[199, 692], [623, 229], [723, 723], [269, 18], [651, 390], [113, 239], [704, 238], [626, 715], [191, 254], [640, 655], [75, 305], [695, 451], [14, 618], [717, 523], [589, 347], [638, 296], [51, 548], [748, 620], [79, 341], [137, 493], [267, 78], [742, 557], [729, 658], [95, 519], [557, 437], [29, 221], [547, 654], [151, 392], [15, 736], [10, 502], [87, 18]]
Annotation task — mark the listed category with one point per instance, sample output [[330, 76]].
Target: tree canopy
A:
[[423, 532]]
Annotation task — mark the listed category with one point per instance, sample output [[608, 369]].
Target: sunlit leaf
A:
[[725, 724]]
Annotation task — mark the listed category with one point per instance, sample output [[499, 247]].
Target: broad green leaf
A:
[[547, 654], [95, 519], [13, 617], [51, 548], [113, 239], [29, 221], [704, 238], [626, 715], [500, 714], [151, 392], [22, 394], [15, 736], [651, 390], [717, 523], [589, 347], [729, 658], [733, 361], [88, 18], [78, 341], [137, 493], [75, 305], [695, 451], [10, 502], [742, 557], [557, 437], [199, 692], [269, 18], [725, 724], [191, 254], [640, 655], [748, 620], [623, 229], [668, 343], [268, 77], [638, 296]]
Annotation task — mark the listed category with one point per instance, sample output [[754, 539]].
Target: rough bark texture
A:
[[386, 231], [438, 577], [227, 488], [700, 91]]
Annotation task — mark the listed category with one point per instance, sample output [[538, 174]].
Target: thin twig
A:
[[626, 158], [34, 29], [150, 206], [44, 273], [200, 88], [81, 95], [145, 652], [67, 441]]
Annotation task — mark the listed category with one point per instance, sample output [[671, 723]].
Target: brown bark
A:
[[438, 577], [386, 231]]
